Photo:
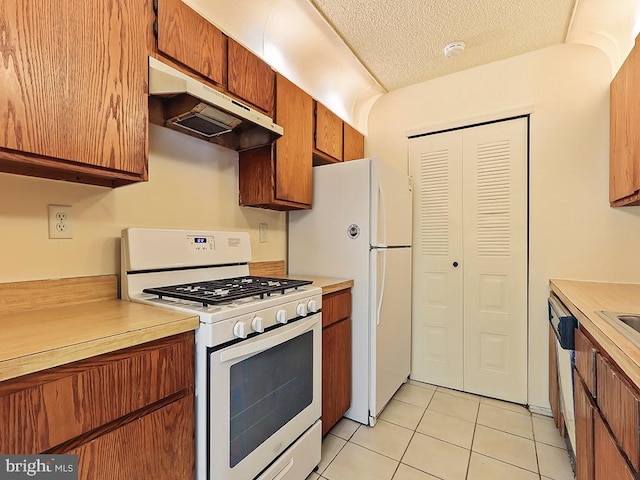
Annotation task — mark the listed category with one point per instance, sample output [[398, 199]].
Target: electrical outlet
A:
[[264, 228], [60, 221]]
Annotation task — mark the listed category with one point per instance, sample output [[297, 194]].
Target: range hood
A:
[[200, 110]]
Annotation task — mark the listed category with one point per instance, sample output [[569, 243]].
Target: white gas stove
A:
[[258, 350]]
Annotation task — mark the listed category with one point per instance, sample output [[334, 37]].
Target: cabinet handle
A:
[[455, 264]]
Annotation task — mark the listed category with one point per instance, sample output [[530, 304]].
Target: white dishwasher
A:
[[564, 325]]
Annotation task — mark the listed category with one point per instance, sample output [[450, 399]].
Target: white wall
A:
[[192, 184], [573, 231]]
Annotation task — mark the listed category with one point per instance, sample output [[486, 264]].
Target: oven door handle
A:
[[258, 345]]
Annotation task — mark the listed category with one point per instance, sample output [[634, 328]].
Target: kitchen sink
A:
[[632, 320], [627, 324]]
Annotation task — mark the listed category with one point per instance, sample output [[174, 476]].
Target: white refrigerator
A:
[[360, 228]]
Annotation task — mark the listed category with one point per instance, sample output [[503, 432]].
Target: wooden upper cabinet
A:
[[353, 140], [73, 96], [328, 135], [187, 37], [279, 176], [249, 78], [624, 155]]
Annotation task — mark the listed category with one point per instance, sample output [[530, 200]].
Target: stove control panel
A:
[[257, 322]]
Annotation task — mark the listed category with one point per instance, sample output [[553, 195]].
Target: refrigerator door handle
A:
[[384, 280], [382, 213]]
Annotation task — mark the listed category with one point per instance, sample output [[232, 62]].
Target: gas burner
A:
[[215, 292]]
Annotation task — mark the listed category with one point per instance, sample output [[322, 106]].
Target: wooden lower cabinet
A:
[[128, 414], [336, 357], [554, 385], [585, 410], [158, 445], [609, 462]]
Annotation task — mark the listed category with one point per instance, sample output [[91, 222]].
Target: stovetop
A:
[[215, 292]]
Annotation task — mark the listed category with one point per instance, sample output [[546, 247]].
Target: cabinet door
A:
[[192, 40], [279, 176], [624, 156], [554, 385], [609, 462], [159, 445], [584, 411], [353, 143], [294, 112], [335, 307], [74, 84], [250, 78], [620, 407], [328, 133], [586, 361], [336, 372], [53, 407]]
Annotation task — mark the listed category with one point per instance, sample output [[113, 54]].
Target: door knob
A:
[[455, 264]]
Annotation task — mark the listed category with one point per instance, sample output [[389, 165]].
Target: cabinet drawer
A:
[[45, 409], [159, 445], [336, 306], [619, 404], [609, 462], [586, 361]]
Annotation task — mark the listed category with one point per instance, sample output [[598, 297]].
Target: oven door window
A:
[[267, 390]]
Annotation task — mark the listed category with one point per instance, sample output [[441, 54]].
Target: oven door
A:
[[264, 393]]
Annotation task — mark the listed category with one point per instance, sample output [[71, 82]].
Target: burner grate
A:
[[214, 292]]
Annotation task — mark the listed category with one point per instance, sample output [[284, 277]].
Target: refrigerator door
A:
[[332, 240], [390, 361], [390, 205]]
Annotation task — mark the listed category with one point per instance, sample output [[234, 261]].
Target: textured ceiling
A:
[[401, 42]]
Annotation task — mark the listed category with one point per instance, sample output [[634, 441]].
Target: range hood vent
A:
[[194, 107]]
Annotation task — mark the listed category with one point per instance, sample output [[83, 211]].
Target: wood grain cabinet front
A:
[[133, 405], [585, 410], [619, 404], [585, 360], [624, 145], [336, 357], [328, 136], [609, 463], [190, 39], [73, 100], [279, 176], [250, 79], [353, 143], [554, 384]]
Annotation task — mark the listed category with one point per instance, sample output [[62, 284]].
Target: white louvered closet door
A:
[[470, 209], [437, 322]]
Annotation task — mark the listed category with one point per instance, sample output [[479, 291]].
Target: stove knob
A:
[[312, 306], [240, 330], [301, 310], [281, 316], [257, 324]]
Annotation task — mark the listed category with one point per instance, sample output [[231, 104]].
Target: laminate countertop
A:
[[35, 340], [328, 284], [586, 299]]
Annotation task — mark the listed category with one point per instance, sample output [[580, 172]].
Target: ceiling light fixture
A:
[[454, 49]]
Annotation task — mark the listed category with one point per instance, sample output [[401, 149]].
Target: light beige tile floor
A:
[[433, 433]]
